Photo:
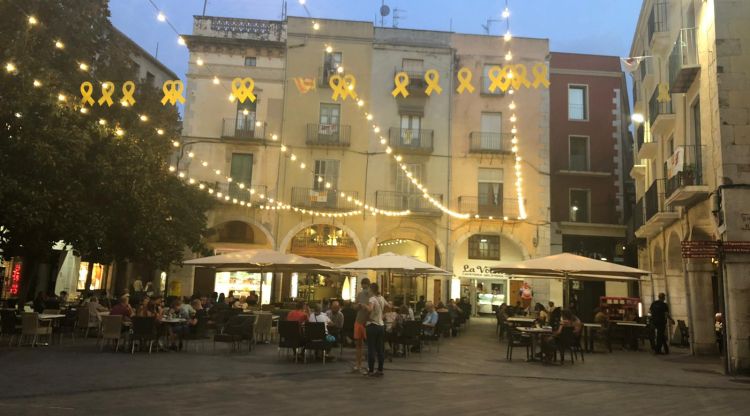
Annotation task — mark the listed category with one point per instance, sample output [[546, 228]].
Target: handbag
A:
[[330, 338]]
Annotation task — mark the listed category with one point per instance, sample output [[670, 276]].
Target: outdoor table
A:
[[536, 335], [520, 320], [630, 328], [588, 339], [50, 316]]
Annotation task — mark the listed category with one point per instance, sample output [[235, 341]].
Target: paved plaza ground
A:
[[469, 376]]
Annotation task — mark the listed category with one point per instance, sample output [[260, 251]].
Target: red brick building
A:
[[590, 158]]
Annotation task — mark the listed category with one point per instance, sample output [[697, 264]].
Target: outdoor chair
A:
[[9, 326], [111, 330], [263, 327], [84, 322], [684, 333], [248, 330], [411, 336], [315, 339], [32, 328], [290, 337], [444, 324], [234, 332], [517, 339], [199, 332], [567, 341], [144, 330]]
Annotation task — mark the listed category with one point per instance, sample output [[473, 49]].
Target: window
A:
[[326, 170], [250, 61], [328, 129], [487, 81], [413, 66], [150, 79], [579, 153], [578, 102], [246, 118], [579, 205], [491, 134], [484, 247], [490, 192], [410, 129], [403, 182], [331, 62], [241, 172]]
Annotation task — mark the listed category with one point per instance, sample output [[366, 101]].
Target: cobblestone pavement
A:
[[468, 375]]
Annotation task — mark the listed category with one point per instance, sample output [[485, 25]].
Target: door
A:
[[326, 171], [437, 291], [241, 172], [410, 130], [515, 292], [246, 118], [490, 192], [492, 124]]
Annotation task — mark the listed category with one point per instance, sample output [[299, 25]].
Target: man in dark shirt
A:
[[659, 317]]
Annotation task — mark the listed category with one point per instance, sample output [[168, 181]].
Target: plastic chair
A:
[[236, 329], [144, 329], [9, 326], [566, 341], [199, 332], [315, 339], [31, 327], [111, 330], [263, 326], [517, 339], [84, 322], [290, 337], [411, 336]]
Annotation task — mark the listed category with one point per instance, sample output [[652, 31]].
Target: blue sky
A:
[[583, 26]]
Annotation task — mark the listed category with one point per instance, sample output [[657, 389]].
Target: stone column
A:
[[737, 321], [700, 299]]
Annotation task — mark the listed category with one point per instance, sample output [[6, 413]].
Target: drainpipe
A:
[[449, 232]]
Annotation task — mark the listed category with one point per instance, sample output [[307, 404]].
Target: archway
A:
[[674, 252]]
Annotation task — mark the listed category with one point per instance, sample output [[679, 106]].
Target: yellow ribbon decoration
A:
[[464, 79], [172, 92], [128, 89], [499, 77], [108, 89], [87, 89], [540, 75], [432, 77], [664, 96], [242, 89], [519, 77], [350, 84], [402, 81], [338, 87]]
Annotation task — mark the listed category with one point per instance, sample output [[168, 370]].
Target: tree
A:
[[64, 176]]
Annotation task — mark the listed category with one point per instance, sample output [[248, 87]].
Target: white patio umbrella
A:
[[570, 266], [390, 262], [261, 261]]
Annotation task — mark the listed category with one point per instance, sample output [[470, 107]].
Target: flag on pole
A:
[[304, 85], [631, 63]]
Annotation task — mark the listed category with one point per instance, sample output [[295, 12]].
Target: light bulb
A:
[[199, 61], [120, 132], [176, 143], [144, 117], [83, 67], [10, 67], [329, 49], [360, 103], [59, 44], [204, 163], [181, 40], [509, 56], [512, 105], [275, 137], [513, 118], [369, 117], [191, 155], [245, 112], [84, 110], [283, 148], [340, 69], [159, 132], [32, 20], [316, 26], [302, 165], [231, 97], [216, 80], [102, 122], [258, 124], [160, 17], [37, 83], [61, 97], [506, 13], [302, 2], [508, 36]]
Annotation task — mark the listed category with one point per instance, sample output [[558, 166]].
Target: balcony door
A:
[[326, 171], [330, 119], [492, 127], [490, 192], [410, 129], [246, 118], [241, 172]]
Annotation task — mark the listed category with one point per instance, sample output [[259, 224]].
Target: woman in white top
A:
[[375, 331], [318, 316]]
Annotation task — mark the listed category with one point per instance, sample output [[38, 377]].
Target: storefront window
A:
[[97, 274], [484, 247]]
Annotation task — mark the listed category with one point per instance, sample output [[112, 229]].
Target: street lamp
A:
[[637, 118]]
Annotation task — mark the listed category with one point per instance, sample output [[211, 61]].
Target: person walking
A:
[[659, 317], [363, 299], [375, 331]]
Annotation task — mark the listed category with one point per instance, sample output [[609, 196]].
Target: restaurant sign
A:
[[479, 272]]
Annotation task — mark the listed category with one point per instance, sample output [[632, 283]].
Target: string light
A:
[[10, 67], [37, 83], [83, 67], [59, 44], [160, 17], [32, 21]]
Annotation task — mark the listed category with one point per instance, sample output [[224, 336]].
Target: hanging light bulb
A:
[[59, 44], [199, 62], [83, 66], [329, 49], [32, 21], [512, 105], [161, 17], [509, 56], [10, 67], [316, 26], [216, 80], [506, 13], [181, 40], [507, 36], [37, 83]]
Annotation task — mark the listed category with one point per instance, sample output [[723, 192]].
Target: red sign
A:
[[15, 279], [700, 249], [741, 247]]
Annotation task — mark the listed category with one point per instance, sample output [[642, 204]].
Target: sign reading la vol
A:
[[502, 78]]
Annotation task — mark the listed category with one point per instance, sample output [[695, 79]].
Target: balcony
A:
[[646, 149], [488, 142], [334, 135], [506, 208], [417, 84], [410, 140], [414, 202], [638, 216], [324, 246], [322, 199], [242, 129], [657, 213], [685, 184], [683, 62], [660, 114], [658, 26]]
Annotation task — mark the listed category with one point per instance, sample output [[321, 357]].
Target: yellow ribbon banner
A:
[[519, 77], [402, 81], [432, 77], [464, 81], [664, 95], [500, 77], [343, 87], [172, 92], [540, 75], [242, 89], [128, 89], [108, 89], [351, 84], [87, 90]]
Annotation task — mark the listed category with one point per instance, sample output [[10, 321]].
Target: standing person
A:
[[659, 317], [375, 331], [363, 299]]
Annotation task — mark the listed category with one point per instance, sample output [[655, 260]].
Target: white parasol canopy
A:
[[261, 260], [566, 265], [394, 263]]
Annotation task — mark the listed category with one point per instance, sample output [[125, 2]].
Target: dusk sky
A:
[[584, 26]]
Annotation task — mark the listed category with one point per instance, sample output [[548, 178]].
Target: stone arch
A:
[[657, 260], [466, 231], [410, 231], [699, 234], [255, 225], [286, 242], [674, 252]]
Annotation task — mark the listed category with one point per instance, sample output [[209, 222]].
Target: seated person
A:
[[317, 315], [198, 314], [176, 331], [601, 318], [298, 314], [550, 343], [542, 315], [252, 299], [94, 308], [430, 320], [336, 317], [123, 308]]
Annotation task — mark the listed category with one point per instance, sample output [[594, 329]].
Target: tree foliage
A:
[[64, 176]]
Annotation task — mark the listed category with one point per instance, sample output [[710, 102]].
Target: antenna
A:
[[397, 16], [384, 11], [283, 10], [488, 26], [205, 3]]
